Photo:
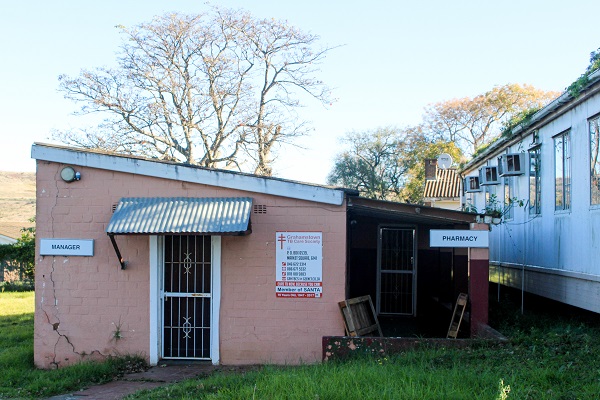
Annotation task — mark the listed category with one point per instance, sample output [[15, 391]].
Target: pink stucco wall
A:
[[82, 301], [255, 325]]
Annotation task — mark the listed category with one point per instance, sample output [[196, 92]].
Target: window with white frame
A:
[[595, 160], [562, 171], [535, 181]]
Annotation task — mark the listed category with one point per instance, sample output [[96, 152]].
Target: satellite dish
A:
[[444, 161]]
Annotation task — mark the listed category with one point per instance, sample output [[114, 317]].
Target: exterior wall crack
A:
[[56, 324]]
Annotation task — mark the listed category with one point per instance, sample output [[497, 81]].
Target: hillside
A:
[[17, 202]]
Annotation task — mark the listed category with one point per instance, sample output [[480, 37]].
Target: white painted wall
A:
[[558, 250]]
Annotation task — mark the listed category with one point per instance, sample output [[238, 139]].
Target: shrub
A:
[[20, 256], [17, 286]]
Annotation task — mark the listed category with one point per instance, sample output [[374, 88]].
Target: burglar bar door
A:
[[186, 297], [396, 277]]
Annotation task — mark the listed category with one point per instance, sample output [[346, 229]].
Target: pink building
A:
[[173, 261]]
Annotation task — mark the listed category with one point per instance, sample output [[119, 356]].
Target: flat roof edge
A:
[[180, 172], [415, 210]]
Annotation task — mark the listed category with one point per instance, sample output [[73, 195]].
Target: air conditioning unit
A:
[[472, 184], [511, 164], [489, 176]]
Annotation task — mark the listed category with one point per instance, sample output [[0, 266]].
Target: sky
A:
[[394, 58]]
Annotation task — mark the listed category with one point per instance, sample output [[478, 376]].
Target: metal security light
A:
[[68, 174]]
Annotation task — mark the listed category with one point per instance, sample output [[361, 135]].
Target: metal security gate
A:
[[396, 271], [186, 296]]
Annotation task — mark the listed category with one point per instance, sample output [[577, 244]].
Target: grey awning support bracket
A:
[[117, 251]]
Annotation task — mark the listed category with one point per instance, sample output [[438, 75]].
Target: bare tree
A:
[[218, 90]]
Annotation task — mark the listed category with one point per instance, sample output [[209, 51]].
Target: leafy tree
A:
[[388, 163], [218, 89], [423, 148], [473, 122], [372, 164], [21, 255]]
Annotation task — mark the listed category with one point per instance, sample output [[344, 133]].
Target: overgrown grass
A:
[[18, 376], [552, 354], [549, 356]]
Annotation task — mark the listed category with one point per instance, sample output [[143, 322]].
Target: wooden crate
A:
[[360, 318]]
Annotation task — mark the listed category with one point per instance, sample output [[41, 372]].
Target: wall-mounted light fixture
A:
[[68, 174]]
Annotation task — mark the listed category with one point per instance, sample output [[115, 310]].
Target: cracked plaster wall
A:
[[80, 300]]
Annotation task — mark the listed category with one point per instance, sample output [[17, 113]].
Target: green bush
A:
[[17, 286], [20, 256]]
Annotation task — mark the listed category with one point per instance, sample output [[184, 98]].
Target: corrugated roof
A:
[[156, 215], [446, 185]]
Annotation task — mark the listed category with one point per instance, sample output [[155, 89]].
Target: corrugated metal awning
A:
[[180, 215]]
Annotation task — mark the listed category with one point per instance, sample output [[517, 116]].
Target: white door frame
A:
[[155, 302]]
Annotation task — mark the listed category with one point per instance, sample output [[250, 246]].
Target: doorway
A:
[[187, 297], [396, 266]]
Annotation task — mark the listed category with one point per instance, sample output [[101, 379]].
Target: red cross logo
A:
[[281, 239]]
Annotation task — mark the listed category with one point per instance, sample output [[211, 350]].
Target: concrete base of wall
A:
[[342, 347]]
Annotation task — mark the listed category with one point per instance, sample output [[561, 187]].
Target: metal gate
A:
[[396, 271], [186, 297]]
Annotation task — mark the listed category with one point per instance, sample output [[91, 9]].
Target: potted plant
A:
[[496, 217], [493, 211]]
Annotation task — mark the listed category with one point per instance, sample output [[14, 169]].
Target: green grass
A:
[[549, 356], [18, 376], [552, 354]]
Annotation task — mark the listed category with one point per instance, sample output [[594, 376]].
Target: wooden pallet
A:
[[457, 315], [360, 318]]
